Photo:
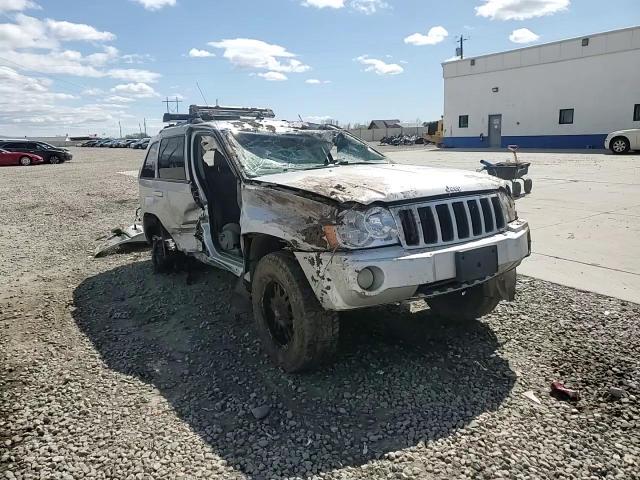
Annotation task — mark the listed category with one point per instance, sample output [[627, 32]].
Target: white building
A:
[[566, 94]]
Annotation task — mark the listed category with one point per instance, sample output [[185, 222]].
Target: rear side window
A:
[[171, 159], [149, 167]]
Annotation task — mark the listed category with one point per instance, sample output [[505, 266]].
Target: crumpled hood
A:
[[383, 182]]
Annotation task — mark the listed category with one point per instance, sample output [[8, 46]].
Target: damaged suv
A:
[[314, 221]]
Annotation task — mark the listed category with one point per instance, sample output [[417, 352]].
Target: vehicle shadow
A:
[[399, 379]]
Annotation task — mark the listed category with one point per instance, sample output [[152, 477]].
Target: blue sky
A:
[[79, 67]]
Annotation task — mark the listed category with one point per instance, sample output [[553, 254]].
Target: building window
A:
[[585, 42], [473, 62], [636, 112], [463, 121], [566, 116]]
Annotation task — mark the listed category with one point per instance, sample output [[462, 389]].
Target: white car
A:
[[623, 140], [314, 221]]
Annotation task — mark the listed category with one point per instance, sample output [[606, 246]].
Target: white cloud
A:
[[435, 35], [378, 66], [197, 53], [137, 58], [134, 75], [119, 99], [273, 76], [324, 3], [67, 31], [16, 5], [368, 7], [137, 90], [523, 35], [26, 32], [29, 103], [101, 58], [520, 9], [259, 55], [315, 81], [153, 5], [93, 92]]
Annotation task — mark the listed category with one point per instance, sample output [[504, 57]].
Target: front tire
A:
[[25, 161], [619, 145], [54, 159], [475, 302], [296, 332]]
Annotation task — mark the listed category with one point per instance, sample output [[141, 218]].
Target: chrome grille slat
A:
[[454, 223], [427, 212]]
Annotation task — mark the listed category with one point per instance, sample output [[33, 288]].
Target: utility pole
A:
[[145, 126], [120, 126], [140, 128], [178, 102], [460, 49]]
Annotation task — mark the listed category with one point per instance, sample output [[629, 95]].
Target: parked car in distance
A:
[[19, 158], [103, 143], [49, 153], [622, 141], [143, 144], [89, 143], [314, 221]]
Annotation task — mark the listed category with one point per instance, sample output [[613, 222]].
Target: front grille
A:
[[443, 222]]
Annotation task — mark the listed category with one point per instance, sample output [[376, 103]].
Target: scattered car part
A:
[[561, 392], [133, 234]]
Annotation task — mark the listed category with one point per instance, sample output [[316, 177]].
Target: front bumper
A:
[[404, 274]]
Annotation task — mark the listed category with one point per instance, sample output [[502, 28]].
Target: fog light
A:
[[365, 278]]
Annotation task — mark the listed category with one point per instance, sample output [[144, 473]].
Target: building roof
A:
[[384, 124], [568, 49]]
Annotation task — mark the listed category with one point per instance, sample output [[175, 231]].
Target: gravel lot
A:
[[111, 372]]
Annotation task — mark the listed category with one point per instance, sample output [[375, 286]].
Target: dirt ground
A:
[[109, 371]]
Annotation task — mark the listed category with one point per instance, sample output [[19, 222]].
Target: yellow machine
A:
[[438, 133]]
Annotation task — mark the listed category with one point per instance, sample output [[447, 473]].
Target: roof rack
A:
[[207, 114]]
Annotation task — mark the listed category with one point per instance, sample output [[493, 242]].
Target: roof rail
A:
[[206, 113]]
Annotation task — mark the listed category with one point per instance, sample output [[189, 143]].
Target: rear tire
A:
[[54, 159], [619, 145], [161, 256], [25, 161], [296, 332], [471, 303]]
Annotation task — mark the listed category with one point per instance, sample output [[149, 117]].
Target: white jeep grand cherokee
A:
[[314, 221]]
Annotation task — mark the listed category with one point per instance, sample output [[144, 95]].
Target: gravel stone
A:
[[108, 371]]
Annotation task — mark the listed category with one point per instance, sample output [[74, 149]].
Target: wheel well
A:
[[620, 137], [151, 225], [257, 246]]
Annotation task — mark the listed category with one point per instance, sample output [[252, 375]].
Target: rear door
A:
[[177, 209], [8, 158]]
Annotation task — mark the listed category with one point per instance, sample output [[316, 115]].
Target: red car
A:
[[19, 158]]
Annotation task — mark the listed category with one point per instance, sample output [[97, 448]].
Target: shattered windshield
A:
[[264, 153]]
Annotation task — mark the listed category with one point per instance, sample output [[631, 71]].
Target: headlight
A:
[[508, 206], [372, 228]]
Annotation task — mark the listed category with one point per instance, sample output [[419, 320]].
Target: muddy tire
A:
[[161, 257], [296, 332], [468, 305]]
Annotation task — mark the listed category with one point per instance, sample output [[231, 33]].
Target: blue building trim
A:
[[531, 141]]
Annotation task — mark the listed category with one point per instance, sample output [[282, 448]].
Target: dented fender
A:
[[294, 218]]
